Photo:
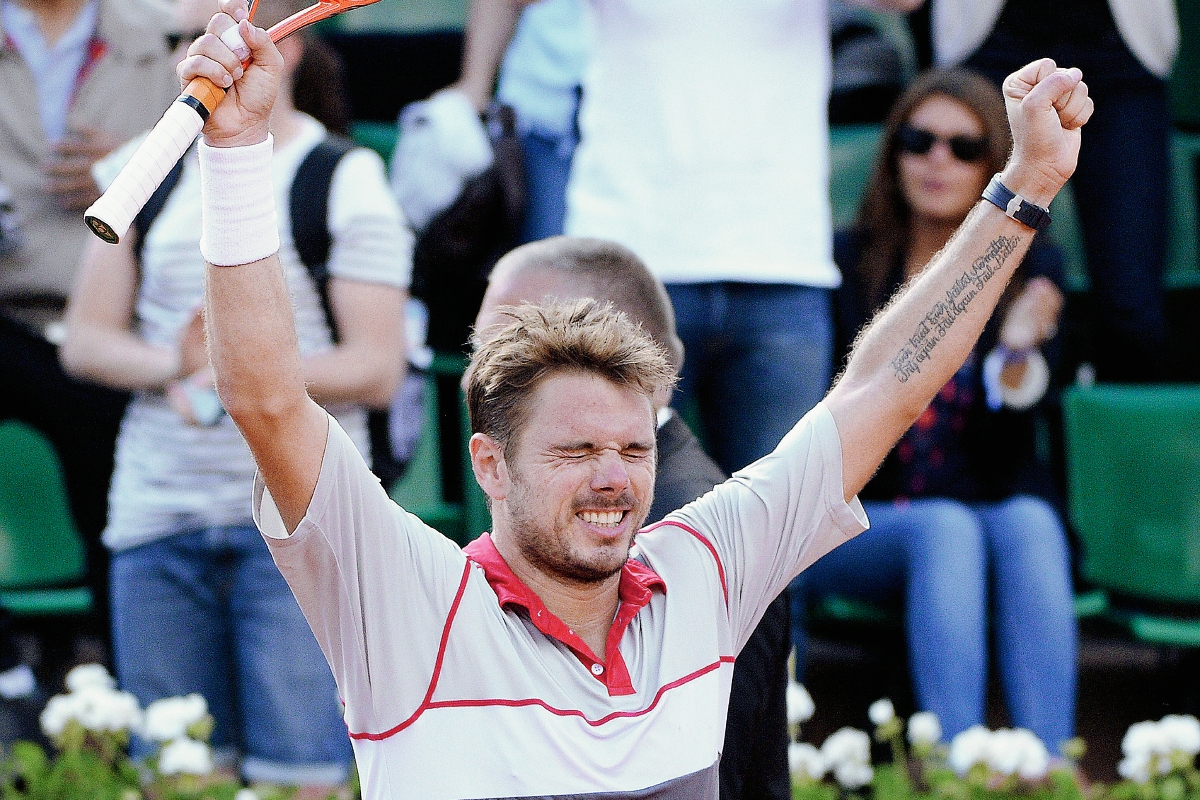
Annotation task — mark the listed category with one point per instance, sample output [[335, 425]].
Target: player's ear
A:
[[487, 462]]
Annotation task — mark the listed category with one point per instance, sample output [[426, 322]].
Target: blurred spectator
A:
[[541, 79], [958, 510], [704, 149], [868, 68], [754, 758], [198, 604], [77, 78], [1125, 49]]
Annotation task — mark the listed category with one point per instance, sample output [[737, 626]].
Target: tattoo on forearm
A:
[[933, 327]]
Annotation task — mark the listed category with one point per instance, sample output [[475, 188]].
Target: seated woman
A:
[[960, 523]]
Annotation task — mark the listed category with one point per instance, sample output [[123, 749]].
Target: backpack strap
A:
[[309, 207], [154, 206]]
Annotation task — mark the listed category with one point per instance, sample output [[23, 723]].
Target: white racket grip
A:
[[111, 215]]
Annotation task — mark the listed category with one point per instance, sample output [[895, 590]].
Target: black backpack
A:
[[308, 204]]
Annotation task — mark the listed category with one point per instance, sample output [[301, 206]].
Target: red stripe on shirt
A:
[[706, 543]]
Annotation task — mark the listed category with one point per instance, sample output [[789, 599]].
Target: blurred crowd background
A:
[[1033, 553]]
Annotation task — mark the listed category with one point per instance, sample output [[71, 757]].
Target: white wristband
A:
[[238, 225]]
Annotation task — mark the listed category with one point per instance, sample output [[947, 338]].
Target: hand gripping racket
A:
[[111, 215]]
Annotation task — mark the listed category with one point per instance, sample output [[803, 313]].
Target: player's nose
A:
[[611, 473]]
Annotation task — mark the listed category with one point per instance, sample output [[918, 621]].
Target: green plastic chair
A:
[[41, 552], [379, 136], [1133, 473]]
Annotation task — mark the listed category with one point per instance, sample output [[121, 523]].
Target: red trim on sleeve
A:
[[437, 666], [704, 540]]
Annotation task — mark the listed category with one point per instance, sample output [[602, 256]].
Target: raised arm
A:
[[923, 336], [251, 334], [489, 29]]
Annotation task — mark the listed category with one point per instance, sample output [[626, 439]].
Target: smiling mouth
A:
[[603, 519]]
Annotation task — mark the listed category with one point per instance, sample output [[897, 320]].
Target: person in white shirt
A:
[[197, 604], [564, 657], [704, 149]]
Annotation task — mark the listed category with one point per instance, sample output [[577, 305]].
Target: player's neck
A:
[[588, 609]]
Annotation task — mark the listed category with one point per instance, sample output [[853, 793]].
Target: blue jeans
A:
[[207, 611], [757, 357], [547, 167], [942, 556]]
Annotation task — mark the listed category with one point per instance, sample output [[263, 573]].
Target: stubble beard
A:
[[550, 550]]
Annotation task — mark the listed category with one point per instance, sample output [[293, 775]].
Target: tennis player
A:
[[565, 658]]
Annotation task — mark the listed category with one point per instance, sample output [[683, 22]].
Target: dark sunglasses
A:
[[919, 142], [178, 38]]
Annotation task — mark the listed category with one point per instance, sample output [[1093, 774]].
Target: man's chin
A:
[[598, 568]]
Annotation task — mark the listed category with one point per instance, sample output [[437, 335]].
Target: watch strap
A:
[[1028, 214]]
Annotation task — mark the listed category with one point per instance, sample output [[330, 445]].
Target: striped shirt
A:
[[171, 476]]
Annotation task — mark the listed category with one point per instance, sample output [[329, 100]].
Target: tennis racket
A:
[[111, 215]]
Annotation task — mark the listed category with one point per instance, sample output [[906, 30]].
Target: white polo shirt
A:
[[459, 683]]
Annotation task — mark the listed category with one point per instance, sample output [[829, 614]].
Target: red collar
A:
[[636, 587]]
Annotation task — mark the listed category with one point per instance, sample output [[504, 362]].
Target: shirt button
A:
[[597, 669]]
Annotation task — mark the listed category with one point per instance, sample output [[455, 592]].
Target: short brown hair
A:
[[581, 335]]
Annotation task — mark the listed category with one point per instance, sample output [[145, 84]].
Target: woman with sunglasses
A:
[[960, 527]]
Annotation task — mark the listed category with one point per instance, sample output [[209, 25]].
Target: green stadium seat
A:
[[379, 136], [1184, 82], [42, 557], [1133, 473]]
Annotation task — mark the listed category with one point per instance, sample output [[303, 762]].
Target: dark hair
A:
[[319, 81], [883, 217], [606, 271], [541, 340], [319, 86]]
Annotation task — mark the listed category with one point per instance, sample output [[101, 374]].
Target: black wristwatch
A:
[[1028, 214]]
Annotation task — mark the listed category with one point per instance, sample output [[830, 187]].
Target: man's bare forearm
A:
[[922, 338], [260, 379], [916, 344]]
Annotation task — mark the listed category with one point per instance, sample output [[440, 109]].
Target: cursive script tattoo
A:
[[933, 326]]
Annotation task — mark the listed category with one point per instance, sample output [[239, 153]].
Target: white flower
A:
[[800, 706], [804, 759], [88, 676], [881, 712], [1034, 759], [168, 719], [853, 776], [847, 746], [1181, 732], [102, 709], [58, 712], [246, 794], [1135, 768], [969, 748], [1003, 751], [1144, 739], [924, 728], [95, 707], [185, 756]]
